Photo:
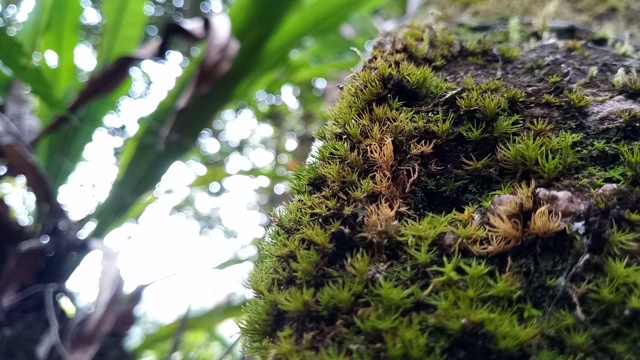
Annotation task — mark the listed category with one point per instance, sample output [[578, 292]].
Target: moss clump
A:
[[454, 212]]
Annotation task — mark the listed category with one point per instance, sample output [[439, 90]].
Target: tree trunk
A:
[[475, 197]]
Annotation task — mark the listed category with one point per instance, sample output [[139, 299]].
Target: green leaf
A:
[[143, 165], [326, 69], [14, 57], [137, 173], [123, 30], [5, 81], [235, 261], [217, 172], [61, 150], [61, 36], [34, 27], [311, 17], [307, 18], [206, 321], [267, 31]]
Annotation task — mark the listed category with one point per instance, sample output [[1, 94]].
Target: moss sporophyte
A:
[[468, 202]]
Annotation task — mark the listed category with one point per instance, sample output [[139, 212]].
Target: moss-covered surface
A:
[[475, 197], [603, 16]]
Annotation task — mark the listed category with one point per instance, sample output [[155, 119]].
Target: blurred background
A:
[[165, 132]]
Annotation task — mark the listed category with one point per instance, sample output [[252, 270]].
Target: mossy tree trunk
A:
[[475, 196]]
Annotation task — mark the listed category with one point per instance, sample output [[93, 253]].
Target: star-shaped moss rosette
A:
[[475, 196]]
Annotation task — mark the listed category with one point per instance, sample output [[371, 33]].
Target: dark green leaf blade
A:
[[137, 173], [123, 30], [61, 36], [61, 150], [33, 28], [308, 18], [235, 261], [255, 23], [14, 57]]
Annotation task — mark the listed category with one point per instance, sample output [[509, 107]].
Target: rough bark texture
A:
[[474, 197]]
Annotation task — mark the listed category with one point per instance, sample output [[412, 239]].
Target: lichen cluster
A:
[[474, 197]]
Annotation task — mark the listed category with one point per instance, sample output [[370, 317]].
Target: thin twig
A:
[[497, 53], [576, 301], [22, 295], [177, 336], [571, 271], [181, 273], [54, 327], [230, 347]]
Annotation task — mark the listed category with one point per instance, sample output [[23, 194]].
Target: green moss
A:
[[472, 131], [507, 125], [521, 153], [492, 104], [441, 125], [511, 53], [573, 45], [474, 164], [469, 100], [622, 241], [540, 126], [626, 83], [593, 71], [553, 79], [550, 99], [453, 212], [577, 98], [631, 158]]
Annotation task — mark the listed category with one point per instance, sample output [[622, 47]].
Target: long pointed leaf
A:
[[14, 57], [316, 17], [134, 165], [123, 31], [307, 18], [61, 151], [61, 143], [32, 30], [255, 22], [61, 37]]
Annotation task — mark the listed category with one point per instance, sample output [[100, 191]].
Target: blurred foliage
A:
[[291, 56], [197, 337]]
